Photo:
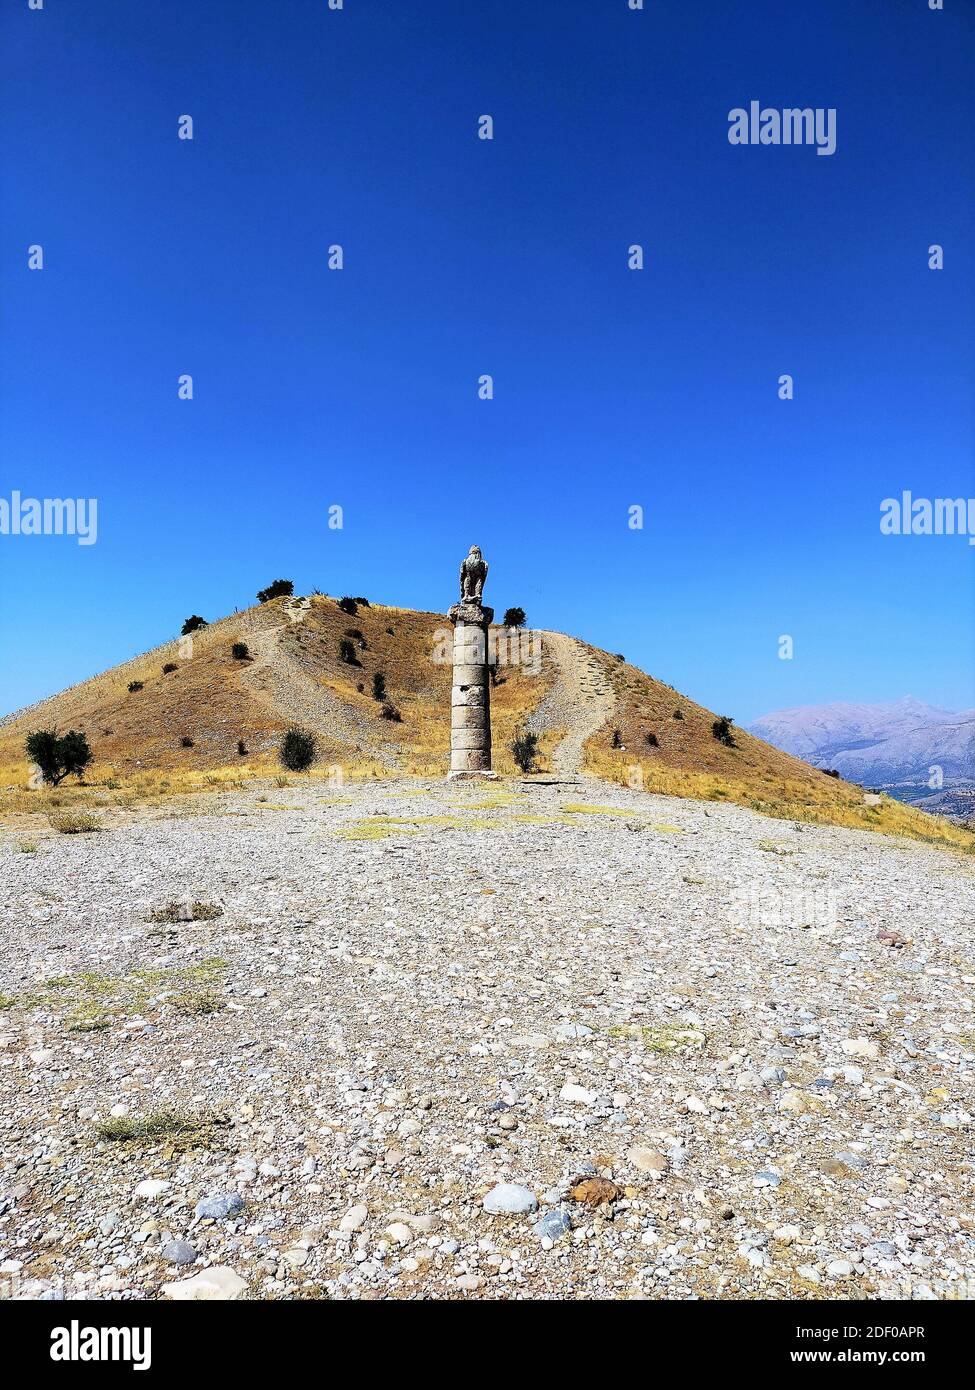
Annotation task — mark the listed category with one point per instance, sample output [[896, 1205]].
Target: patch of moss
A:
[[664, 1039]]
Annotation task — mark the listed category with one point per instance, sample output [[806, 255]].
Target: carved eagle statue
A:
[[473, 572]]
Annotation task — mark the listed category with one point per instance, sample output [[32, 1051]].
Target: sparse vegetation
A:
[[299, 749], [58, 755], [169, 666], [181, 912], [652, 741], [197, 1003], [362, 602], [678, 714], [134, 686], [278, 588], [389, 711], [347, 652], [73, 822], [617, 739], [378, 686], [514, 617], [157, 1126], [186, 742], [349, 605], [193, 624], [524, 750], [240, 651], [241, 748]]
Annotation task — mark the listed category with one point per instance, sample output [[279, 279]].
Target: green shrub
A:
[[134, 686], [58, 755], [169, 666], [349, 605], [514, 617], [186, 742], [617, 739], [240, 651], [721, 730], [299, 749], [652, 740], [347, 653], [524, 750], [241, 748], [378, 686], [389, 711], [280, 588], [193, 624], [678, 714]]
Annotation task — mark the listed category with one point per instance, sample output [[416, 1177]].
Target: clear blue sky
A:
[[612, 387]]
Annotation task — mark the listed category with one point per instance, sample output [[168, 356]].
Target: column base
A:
[[470, 776]]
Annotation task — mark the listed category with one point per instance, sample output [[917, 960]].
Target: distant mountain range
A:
[[896, 747]]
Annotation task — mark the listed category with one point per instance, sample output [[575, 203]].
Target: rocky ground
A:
[[418, 1041]]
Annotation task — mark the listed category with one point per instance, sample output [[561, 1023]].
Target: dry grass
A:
[[73, 822], [187, 1130], [819, 801]]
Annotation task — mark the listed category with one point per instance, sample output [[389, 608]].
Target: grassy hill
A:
[[211, 718]]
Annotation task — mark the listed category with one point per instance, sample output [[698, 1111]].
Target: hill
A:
[[189, 713]]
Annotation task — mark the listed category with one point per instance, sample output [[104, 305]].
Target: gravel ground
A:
[[661, 1049]]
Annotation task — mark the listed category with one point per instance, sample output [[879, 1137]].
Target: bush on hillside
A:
[[169, 666], [678, 714], [721, 730], [280, 588], [347, 653], [298, 750], [58, 755], [617, 739], [389, 711], [134, 686], [349, 605], [193, 624], [186, 742], [524, 750], [241, 748], [362, 602], [240, 651], [514, 617], [378, 686], [652, 741]]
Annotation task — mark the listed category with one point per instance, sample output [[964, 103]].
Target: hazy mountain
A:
[[897, 745]]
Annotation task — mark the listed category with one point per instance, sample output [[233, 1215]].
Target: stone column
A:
[[470, 700]]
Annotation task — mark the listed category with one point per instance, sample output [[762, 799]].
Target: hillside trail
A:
[[278, 680], [581, 702]]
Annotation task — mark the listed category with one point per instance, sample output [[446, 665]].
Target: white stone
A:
[[577, 1094], [354, 1218], [216, 1284], [152, 1187]]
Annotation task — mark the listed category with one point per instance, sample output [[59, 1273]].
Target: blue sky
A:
[[612, 387]]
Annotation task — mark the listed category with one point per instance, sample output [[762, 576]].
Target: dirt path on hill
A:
[[281, 682], [581, 701]]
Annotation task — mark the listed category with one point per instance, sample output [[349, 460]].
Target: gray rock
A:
[[178, 1252], [553, 1225], [219, 1206]]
